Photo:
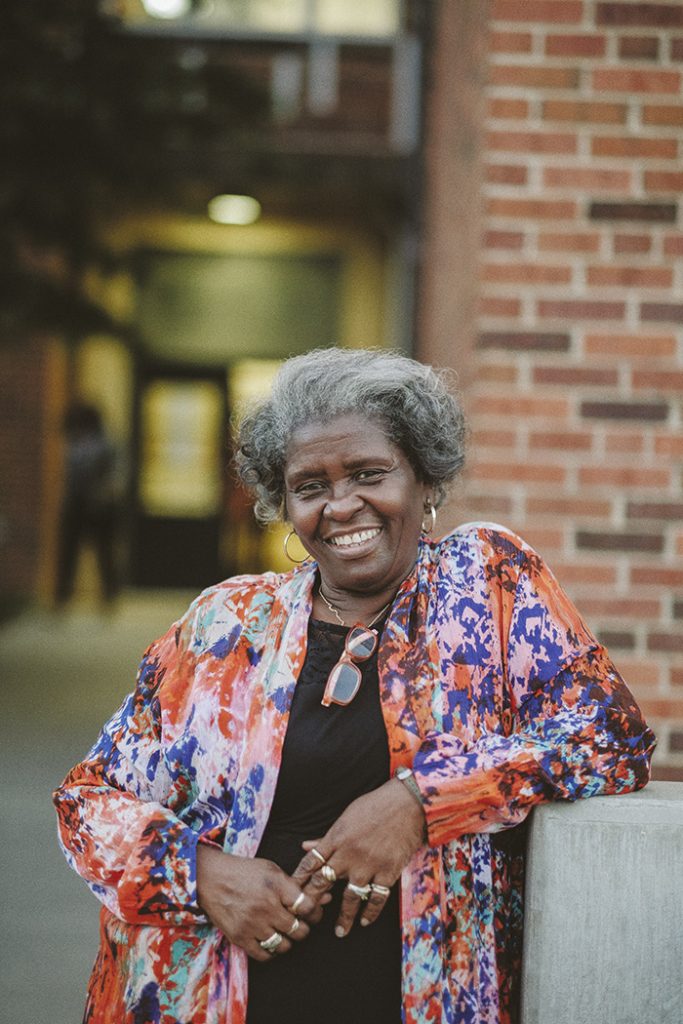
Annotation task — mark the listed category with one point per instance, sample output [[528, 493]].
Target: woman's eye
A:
[[369, 474], [309, 488]]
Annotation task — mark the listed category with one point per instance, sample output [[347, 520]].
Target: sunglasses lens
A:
[[360, 643], [345, 680]]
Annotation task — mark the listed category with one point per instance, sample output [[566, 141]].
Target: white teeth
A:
[[353, 538]]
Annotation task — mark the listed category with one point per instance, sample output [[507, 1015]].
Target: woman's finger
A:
[[353, 900], [315, 857], [379, 894]]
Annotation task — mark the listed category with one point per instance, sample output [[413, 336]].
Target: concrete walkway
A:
[[61, 675]]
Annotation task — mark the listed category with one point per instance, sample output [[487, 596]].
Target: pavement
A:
[[62, 674]]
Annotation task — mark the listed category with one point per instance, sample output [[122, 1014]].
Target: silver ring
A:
[[362, 891], [380, 890], [297, 902], [328, 873], [294, 927], [318, 854], [272, 943]]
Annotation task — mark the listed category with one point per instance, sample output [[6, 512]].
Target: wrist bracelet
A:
[[405, 775]]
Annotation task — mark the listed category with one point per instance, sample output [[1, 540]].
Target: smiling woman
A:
[[312, 807]]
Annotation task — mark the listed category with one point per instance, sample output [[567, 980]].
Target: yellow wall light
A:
[[228, 209]]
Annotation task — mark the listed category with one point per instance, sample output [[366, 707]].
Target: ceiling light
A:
[[229, 209], [167, 8]]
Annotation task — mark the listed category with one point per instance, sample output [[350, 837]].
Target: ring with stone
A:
[[328, 873], [362, 891], [272, 943]]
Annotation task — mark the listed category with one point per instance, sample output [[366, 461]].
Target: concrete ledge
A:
[[603, 937]]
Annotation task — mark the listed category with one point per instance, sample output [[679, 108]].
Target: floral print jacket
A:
[[492, 689]]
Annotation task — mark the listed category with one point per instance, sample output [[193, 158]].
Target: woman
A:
[[242, 818]]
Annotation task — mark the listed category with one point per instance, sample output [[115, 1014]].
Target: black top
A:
[[330, 756]]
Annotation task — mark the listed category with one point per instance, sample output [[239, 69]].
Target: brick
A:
[[647, 412], [672, 643], [669, 444], [593, 179], [494, 439], [531, 209], [575, 241], [525, 341], [662, 312], [573, 573], [666, 510], [531, 142], [630, 277], [579, 45], [589, 540], [508, 108], [677, 609], [677, 49], [633, 346], [571, 507], [544, 540], [519, 472], [642, 15], [660, 114], [639, 47], [677, 676], [624, 442], [510, 42], [536, 76], [520, 407], [575, 376], [569, 12], [489, 505], [503, 240], [498, 373], [664, 181], [585, 111], [662, 708], [676, 743], [654, 213], [632, 244], [633, 146], [673, 245], [658, 380], [640, 673], [505, 174], [583, 309], [624, 476], [666, 773], [621, 608], [632, 81], [525, 273], [562, 440], [493, 305], [648, 575], [617, 639]]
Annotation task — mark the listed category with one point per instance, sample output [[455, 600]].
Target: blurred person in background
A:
[[91, 506], [312, 807]]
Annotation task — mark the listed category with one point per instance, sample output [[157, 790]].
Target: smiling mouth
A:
[[349, 540]]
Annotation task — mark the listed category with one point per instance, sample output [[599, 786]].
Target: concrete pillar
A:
[[604, 910]]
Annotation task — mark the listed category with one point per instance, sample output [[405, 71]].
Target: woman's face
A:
[[355, 502]]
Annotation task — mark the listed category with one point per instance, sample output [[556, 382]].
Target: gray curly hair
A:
[[411, 401]]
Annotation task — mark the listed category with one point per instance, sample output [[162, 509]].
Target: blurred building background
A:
[[490, 186]]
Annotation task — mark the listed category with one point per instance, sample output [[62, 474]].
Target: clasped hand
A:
[[250, 899]]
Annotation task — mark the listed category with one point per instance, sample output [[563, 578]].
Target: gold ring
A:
[[297, 902], [272, 943], [381, 890], [328, 873], [318, 854]]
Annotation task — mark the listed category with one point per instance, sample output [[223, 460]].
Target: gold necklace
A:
[[335, 611]]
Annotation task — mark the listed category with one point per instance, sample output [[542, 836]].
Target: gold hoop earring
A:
[[429, 511], [297, 561]]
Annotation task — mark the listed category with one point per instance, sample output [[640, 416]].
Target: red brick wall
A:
[[578, 401]]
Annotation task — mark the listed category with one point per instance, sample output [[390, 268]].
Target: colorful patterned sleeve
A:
[[566, 726], [115, 826]]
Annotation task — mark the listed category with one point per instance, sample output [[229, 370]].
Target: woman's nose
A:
[[343, 504]]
